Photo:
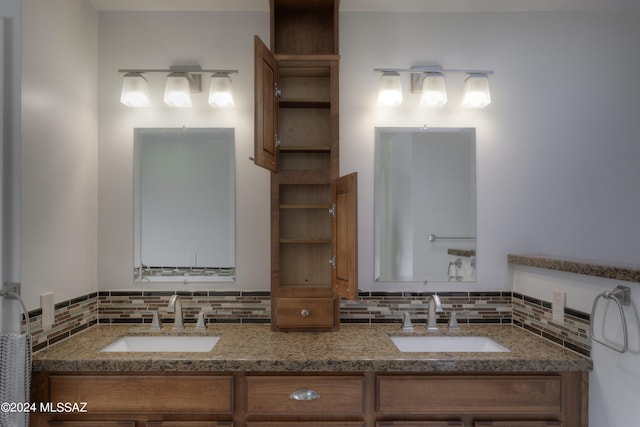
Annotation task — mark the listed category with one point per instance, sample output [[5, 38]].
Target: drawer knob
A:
[[304, 312], [304, 395]]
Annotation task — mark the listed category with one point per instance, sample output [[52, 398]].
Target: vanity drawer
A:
[[306, 424], [508, 394], [332, 395], [140, 393], [420, 424], [305, 312]]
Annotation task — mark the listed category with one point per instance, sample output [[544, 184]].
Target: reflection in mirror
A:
[[184, 205], [425, 204]]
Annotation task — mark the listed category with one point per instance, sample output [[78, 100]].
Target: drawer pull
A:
[[304, 395], [304, 312]]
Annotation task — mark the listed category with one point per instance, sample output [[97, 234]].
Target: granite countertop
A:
[[625, 272], [355, 348]]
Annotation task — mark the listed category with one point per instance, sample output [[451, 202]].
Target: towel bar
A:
[[621, 295], [12, 290]]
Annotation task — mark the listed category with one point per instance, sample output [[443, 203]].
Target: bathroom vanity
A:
[[256, 377]]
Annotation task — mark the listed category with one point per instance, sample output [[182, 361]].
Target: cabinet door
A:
[[266, 107], [344, 228]]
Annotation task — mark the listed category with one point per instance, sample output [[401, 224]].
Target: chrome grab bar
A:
[[621, 295]]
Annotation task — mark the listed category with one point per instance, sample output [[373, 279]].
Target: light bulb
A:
[[135, 92], [177, 92]]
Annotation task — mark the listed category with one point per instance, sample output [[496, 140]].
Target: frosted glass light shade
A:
[[476, 91], [177, 92], [135, 92], [434, 92], [220, 94], [390, 92]]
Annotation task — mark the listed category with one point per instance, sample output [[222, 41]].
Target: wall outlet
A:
[[48, 309], [557, 306]]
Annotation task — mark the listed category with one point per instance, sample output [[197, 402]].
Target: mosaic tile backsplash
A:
[[124, 307]]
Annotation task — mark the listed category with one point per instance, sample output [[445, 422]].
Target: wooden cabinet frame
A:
[[349, 399], [313, 210]]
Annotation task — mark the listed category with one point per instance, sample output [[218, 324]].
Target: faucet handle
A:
[[453, 322], [200, 326], [406, 322], [155, 322]]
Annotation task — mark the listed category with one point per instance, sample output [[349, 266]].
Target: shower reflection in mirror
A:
[[425, 204], [184, 205]]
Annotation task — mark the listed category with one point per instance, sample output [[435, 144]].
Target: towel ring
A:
[[621, 296]]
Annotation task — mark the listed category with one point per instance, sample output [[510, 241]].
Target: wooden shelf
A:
[[305, 148], [305, 241], [303, 103], [306, 206]]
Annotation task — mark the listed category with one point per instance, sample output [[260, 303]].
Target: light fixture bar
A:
[[432, 69], [418, 73], [177, 69]]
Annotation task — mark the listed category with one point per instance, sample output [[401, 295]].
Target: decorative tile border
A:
[[135, 307], [219, 307], [71, 317], [386, 307], [535, 316]]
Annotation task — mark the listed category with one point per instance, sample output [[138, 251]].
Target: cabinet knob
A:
[[304, 312], [304, 395]]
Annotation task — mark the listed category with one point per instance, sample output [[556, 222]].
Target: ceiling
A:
[[377, 5]]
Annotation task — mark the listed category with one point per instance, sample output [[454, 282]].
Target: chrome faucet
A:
[[435, 306], [175, 306]]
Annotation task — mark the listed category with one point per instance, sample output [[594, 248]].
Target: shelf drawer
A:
[[137, 393], [511, 394], [332, 395], [304, 312]]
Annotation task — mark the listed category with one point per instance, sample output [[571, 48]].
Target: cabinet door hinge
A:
[[277, 140], [332, 210], [277, 91], [332, 261]]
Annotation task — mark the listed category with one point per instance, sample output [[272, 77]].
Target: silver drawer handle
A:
[[304, 312], [304, 395]]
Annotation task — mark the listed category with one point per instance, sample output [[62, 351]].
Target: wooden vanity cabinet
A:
[[133, 400], [313, 210], [329, 399]]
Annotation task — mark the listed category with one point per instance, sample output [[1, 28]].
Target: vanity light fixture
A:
[[434, 92], [135, 91], [220, 94], [429, 80], [390, 93], [177, 92], [181, 82], [476, 92]]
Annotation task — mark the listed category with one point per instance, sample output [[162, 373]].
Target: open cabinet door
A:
[[266, 107], [344, 228]]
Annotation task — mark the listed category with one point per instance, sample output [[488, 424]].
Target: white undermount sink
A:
[[427, 344], [185, 344]]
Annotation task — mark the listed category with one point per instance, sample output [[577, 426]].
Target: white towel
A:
[[15, 377]]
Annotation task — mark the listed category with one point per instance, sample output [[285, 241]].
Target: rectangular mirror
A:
[[425, 204], [184, 205]]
